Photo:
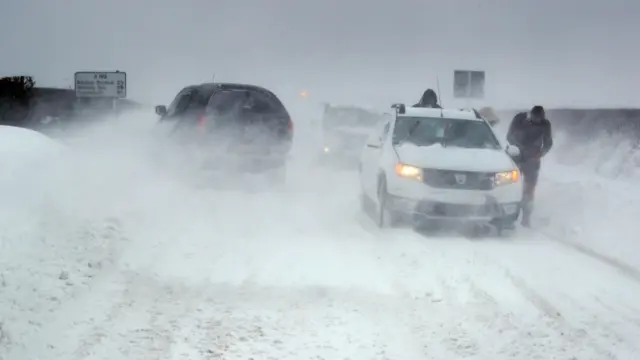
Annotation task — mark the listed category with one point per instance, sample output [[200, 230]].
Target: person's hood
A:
[[454, 158], [429, 96]]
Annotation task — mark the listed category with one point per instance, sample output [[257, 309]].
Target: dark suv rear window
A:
[[255, 102]]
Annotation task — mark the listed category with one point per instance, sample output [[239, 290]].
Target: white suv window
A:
[[426, 131]]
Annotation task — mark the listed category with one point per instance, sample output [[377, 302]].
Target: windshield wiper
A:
[[413, 128]]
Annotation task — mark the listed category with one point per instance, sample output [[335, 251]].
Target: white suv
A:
[[442, 165]]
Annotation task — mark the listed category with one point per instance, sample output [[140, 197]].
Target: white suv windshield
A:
[[426, 131]]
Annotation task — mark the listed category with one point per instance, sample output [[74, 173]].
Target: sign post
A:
[[468, 84], [107, 85]]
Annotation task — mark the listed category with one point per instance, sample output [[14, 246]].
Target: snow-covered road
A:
[[181, 273]]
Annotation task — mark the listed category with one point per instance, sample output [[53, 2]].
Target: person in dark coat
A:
[[429, 100], [531, 133]]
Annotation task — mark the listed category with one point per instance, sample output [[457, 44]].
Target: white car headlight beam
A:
[[408, 171], [506, 177]]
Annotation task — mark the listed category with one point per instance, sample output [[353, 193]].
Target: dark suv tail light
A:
[[290, 125], [201, 121]]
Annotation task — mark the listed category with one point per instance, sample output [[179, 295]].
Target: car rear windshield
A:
[[229, 101], [426, 131]]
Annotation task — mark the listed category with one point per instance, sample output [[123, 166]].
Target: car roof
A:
[[234, 86], [462, 114]]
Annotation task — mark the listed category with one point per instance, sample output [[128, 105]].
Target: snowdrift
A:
[[56, 234], [22, 151]]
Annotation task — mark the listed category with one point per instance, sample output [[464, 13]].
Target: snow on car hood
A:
[[454, 158]]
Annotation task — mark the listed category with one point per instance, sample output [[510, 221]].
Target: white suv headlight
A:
[[408, 171], [507, 177]]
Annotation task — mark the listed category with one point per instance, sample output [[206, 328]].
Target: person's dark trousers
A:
[[529, 170]]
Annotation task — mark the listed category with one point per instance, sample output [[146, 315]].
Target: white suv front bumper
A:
[[410, 196]]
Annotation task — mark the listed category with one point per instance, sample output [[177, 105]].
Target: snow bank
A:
[[23, 149], [54, 238], [592, 211]]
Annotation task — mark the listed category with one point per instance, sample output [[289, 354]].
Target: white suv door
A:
[[371, 156]]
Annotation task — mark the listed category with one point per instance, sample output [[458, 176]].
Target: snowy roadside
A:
[[61, 228], [226, 291], [46, 259], [590, 210]]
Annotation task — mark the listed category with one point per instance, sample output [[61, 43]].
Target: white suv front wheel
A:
[[384, 217]]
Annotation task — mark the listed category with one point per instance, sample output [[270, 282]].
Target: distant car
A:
[[489, 114], [345, 130], [343, 146], [440, 165], [244, 128]]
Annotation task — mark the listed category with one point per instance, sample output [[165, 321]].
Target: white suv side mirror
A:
[[513, 150]]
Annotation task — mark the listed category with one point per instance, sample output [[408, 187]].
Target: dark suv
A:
[[247, 127]]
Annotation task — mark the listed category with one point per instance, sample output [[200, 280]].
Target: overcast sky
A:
[[372, 52]]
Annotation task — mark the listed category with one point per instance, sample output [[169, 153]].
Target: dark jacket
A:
[[429, 99], [533, 139]]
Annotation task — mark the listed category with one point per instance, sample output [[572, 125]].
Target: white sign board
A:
[[101, 84], [468, 84]]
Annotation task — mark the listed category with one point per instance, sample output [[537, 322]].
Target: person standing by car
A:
[[531, 133]]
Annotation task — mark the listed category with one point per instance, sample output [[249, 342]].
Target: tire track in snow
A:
[[459, 335], [97, 333], [360, 326], [142, 323], [606, 329], [239, 321], [489, 270], [581, 336], [459, 340], [107, 238], [166, 308], [233, 324], [459, 288], [536, 299], [626, 269], [218, 321], [628, 318], [563, 327]]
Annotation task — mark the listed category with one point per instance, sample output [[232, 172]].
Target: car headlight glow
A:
[[326, 149], [507, 177], [408, 171]]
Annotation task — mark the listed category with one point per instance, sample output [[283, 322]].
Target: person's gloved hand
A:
[[514, 151]]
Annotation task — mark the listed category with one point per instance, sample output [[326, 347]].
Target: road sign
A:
[[101, 84], [468, 84]]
